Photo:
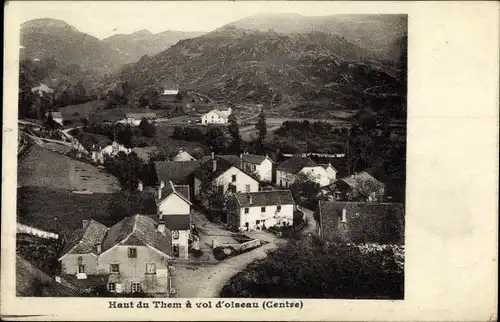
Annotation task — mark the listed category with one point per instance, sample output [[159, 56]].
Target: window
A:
[[112, 287], [233, 178], [247, 188], [262, 209], [278, 208], [257, 222], [81, 268], [80, 260], [132, 252], [175, 234], [150, 268], [136, 287], [247, 210], [114, 268], [231, 188]]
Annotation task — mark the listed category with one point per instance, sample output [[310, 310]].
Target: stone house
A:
[[261, 165], [131, 256], [357, 187], [216, 116]]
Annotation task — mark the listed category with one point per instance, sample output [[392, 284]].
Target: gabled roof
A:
[[254, 158], [221, 113], [85, 239], [205, 172], [327, 165], [138, 230], [180, 190], [367, 222], [265, 198], [139, 116], [355, 180], [295, 164], [177, 172], [145, 153], [183, 155], [177, 222]]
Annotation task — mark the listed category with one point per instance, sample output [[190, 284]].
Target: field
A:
[[43, 168], [61, 212]]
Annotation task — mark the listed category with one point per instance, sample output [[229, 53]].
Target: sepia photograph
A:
[[264, 157], [251, 156]]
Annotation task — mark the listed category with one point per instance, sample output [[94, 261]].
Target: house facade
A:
[[135, 119], [216, 117], [257, 210], [225, 175], [262, 166], [169, 95], [174, 213], [56, 116], [183, 156], [321, 174], [100, 153], [287, 172], [131, 256]]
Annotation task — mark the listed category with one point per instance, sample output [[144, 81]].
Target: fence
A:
[[36, 232]]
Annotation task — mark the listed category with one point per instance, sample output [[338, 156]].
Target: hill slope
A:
[[133, 46], [238, 65], [376, 32]]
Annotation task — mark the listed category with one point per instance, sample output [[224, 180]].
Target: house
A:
[[357, 187], [42, 89], [255, 210], [183, 156], [224, 174], [360, 222], [322, 174], [169, 95], [216, 116], [56, 116], [287, 172], [103, 149], [132, 255], [261, 165], [177, 172], [135, 119], [174, 213], [145, 153]]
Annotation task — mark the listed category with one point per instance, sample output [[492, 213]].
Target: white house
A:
[[256, 210], [323, 174], [174, 213], [135, 119], [56, 116], [261, 165], [100, 153], [287, 171], [183, 156], [225, 174], [216, 117]]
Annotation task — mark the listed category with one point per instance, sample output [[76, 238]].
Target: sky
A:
[[105, 18]]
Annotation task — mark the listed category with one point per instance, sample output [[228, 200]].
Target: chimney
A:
[[161, 226], [140, 186], [241, 160], [162, 185], [344, 215], [84, 223], [214, 165], [213, 155], [249, 199], [98, 247]]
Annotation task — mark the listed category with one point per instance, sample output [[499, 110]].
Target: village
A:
[[199, 216]]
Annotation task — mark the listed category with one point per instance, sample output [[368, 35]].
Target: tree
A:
[[146, 128], [143, 101], [261, 126], [216, 139], [234, 131], [305, 191], [126, 167], [124, 134], [215, 199]]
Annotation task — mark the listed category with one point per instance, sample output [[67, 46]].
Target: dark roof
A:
[[84, 240], [265, 198], [177, 172], [367, 222], [357, 179], [205, 172], [233, 159], [295, 164], [138, 230], [183, 190], [177, 222], [253, 158], [30, 281]]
